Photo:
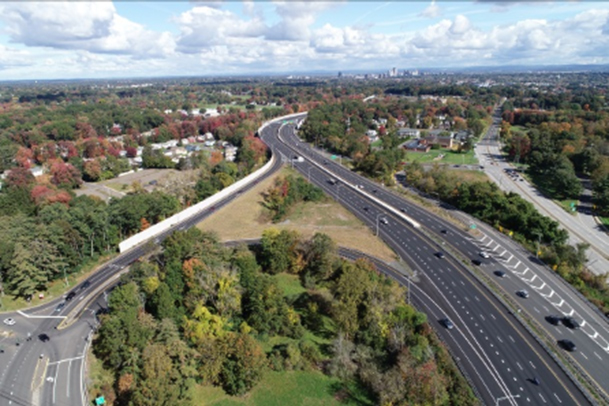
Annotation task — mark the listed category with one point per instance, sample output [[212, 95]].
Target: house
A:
[[382, 121], [417, 145], [209, 143], [371, 133], [230, 153], [442, 141], [409, 132], [208, 136], [37, 171], [168, 111], [462, 136]]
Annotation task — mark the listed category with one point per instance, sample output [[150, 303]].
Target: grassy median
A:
[[245, 218]]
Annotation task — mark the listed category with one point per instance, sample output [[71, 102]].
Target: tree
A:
[[244, 365], [65, 175], [601, 194], [19, 177]]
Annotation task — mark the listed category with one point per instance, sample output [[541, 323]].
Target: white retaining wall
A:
[[166, 224]]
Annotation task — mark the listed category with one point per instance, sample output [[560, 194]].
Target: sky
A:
[[105, 39]]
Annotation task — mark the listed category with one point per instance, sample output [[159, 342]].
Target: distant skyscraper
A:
[[340, 74], [393, 72]]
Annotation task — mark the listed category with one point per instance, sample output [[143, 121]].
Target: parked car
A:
[[10, 321], [523, 293], [567, 345], [447, 323], [571, 323]]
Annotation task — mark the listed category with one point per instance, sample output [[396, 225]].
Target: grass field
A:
[[245, 218], [307, 388], [450, 157], [471, 176], [605, 221]]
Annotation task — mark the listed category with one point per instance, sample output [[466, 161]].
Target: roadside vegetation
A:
[[286, 192], [201, 315]]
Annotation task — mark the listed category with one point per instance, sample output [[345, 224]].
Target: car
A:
[[360, 186], [567, 345], [500, 274], [85, 285], [476, 262], [403, 210], [444, 231], [70, 296], [384, 220], [571, 323], [554, 320], [447, 323], [484, 254], [523, 293], [439, 255], [60, 306], [366, 208], [10, 321], [43, 337]]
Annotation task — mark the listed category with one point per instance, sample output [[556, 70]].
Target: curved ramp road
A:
[[55, 379]]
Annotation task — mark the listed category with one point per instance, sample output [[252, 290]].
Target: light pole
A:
[[377, 223], [414, 275]]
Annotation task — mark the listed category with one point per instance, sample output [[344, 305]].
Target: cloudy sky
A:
[[79, 39]]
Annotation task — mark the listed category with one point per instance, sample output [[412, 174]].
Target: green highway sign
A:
[[100, 401], [472, 226], [334, 156]]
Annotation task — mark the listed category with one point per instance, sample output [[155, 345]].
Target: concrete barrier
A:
[[166, 224]]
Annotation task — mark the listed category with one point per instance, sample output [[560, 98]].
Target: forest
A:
[[200, 313]]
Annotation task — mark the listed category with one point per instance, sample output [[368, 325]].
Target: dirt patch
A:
[[245, 218]]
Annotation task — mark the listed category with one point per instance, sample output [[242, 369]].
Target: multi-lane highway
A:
[[549, 294], [499, 356], [497, 344]]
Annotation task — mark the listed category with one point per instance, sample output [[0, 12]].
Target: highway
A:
[[549, 294], [495, 351], [498, 347]]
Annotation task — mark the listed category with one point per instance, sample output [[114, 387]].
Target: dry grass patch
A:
[[245, 218]]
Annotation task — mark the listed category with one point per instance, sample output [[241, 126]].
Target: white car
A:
[[484, 255], [10, 321]]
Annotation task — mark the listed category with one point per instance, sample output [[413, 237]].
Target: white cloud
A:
[[431, 11], [296, 18], [94, 27], [10, 58], [205, 27]]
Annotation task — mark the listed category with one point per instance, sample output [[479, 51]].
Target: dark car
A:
[[571, 323], [366, 208], [439, 255], [85, 285], [476, 262], [567, 345], [447, 323], [60, 306], [554, 320], [444, 231], [500, 274], [523, 293], [43, 337], [70, 296]]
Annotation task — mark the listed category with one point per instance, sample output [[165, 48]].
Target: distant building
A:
[[409, 132], [417, 145], [230, 153]]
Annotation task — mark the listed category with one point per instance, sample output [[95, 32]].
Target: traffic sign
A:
[[100, 401], [472, 226], [334, 157]]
